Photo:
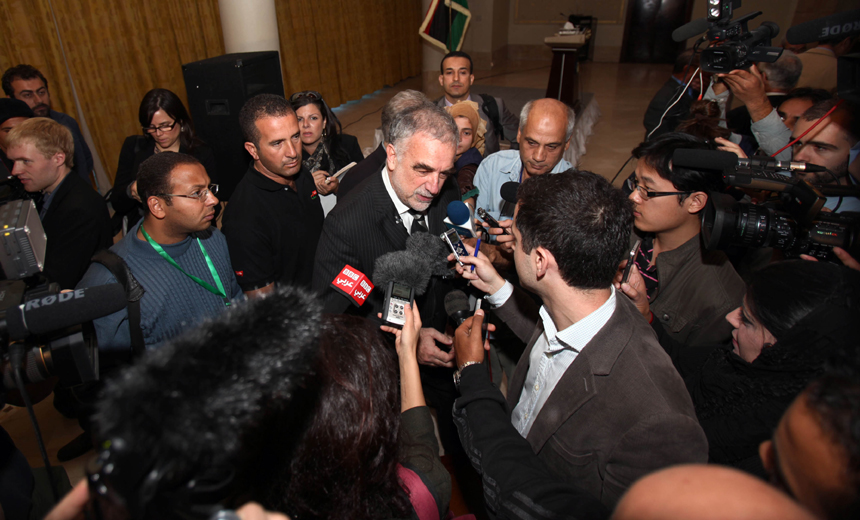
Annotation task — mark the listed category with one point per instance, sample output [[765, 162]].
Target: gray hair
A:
[[401, 102], [784, 72], [426, 118], [571, 118]]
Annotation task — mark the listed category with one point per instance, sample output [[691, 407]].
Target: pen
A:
[[477, 247]]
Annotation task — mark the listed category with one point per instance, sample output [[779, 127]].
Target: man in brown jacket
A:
[[594, 393]]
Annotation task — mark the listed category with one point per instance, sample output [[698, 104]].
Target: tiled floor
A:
[[621, 90]]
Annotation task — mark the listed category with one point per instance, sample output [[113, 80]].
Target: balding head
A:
[[546, 126], [699, 492]]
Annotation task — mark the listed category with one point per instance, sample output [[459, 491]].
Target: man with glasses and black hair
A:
[[175, 253], [274, 218], [690, 290]]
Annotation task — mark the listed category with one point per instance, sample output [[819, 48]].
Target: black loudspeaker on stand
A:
[[217, 88]]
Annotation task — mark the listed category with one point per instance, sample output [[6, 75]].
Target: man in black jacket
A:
[[74, 216]]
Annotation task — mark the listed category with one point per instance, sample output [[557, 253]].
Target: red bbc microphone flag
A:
[[445, 24], [354, 284]]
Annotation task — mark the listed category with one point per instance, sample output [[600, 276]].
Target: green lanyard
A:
[[217, 292]]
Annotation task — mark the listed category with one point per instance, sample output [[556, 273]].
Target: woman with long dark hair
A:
[[166, 127], [325, 148], [369, 451], [795, 315]]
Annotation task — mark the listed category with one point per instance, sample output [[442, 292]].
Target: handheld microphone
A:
[[404, 275], [690, 30], [720, 160], [432, 249], [457, 307], [58, 311], [461, 217]]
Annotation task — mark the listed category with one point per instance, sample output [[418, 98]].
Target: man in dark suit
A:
[[656, 123], [410, 191], [594, 394], [74, 216]]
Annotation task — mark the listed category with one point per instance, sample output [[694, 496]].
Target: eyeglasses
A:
[[163, 127], [644, 194], [197, 195], [312, 95]]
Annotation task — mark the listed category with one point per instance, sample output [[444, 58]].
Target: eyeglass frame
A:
[[313, 95], [163, 127], [633, 184], [212, 188]]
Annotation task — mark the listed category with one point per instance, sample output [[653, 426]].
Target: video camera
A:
[[792, 222], [733, 45]]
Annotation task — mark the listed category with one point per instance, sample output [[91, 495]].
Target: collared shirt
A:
[[46, 199], [449, 104], [497, 169], [403, 211], [272, 230], [553, 353]]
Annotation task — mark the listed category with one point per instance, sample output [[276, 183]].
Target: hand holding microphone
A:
[[484, 277]]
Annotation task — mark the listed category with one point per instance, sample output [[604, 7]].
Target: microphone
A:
[[720, 160], [457, 307], [840, 24], [461, 217], [58, 311], [402, 267], [690, 30], [432, 249], [173, 425], [509, 191]]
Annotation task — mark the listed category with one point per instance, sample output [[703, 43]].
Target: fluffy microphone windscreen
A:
[[186, 406], [404, 267], [431, 247]]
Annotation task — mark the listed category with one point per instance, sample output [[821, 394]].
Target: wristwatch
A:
[[460, 370]]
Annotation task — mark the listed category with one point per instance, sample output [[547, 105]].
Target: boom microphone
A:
[[432, 249], [720, 160], [58, 311], [690, 30], [172, 427], [836, 25]]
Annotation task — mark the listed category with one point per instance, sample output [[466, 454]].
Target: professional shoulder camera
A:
[[791, 220], [733, 45]]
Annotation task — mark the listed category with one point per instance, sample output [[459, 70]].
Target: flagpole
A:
[[450, 24]]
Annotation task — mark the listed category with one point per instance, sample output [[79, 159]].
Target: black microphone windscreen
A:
[[432, 247], [704, 159], [833, 26], [509, 191], [58, 311], [690, 30], [404, 267], [188, 405], [457, 306]]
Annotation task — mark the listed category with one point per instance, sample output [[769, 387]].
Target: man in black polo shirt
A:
[[274, 218]]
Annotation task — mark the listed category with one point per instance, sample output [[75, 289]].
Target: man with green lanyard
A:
[[175, 253]]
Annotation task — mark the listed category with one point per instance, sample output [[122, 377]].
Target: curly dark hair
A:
[[345, 466], [258, 107], [22, 71]]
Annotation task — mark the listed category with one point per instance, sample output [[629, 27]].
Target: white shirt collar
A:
[[398, 204], [575, 337]]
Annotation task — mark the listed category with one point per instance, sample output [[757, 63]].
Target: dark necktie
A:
[[418, 225]]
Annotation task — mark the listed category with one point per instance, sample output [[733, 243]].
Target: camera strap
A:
[[217, 292]]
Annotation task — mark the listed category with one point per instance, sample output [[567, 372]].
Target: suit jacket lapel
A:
[[386, 214], [577, 386]]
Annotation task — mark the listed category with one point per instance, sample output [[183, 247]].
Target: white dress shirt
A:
[[551, 356], [403, 211]]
